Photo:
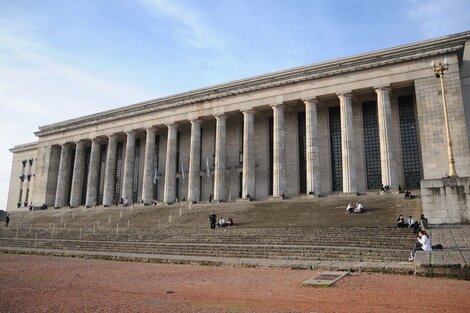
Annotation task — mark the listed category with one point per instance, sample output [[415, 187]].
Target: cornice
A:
[[399, 54], [24, 147]]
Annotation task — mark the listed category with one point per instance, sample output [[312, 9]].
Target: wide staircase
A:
[[299, 233]]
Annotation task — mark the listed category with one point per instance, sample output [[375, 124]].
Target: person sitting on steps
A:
[[423, 243], [222, 222], [401, 222], [349, 209], [359, 208]]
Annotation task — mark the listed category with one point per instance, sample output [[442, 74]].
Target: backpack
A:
[[437, 247]]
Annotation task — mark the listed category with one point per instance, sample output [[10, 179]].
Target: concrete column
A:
[[347, 144], [169, 192], [194, 161], [147, 188], [220, 158], [77, 177], [110, 172], [279, 151], [63, 178], [248, 185], [311, 138], [93, 174], [388, 164], [127, 182]]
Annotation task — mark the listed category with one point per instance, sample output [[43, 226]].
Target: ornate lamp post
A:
[[439, 70]]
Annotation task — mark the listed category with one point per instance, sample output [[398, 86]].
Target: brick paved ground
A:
[[55, 284]]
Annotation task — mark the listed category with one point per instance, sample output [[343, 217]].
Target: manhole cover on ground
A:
[[325, 279]]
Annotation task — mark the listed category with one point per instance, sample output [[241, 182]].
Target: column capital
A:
[[150, 129], [220, 116], [195, 121], [313, 100], [131, 132], [346, 94], [278, 106], [65, 144], [382, 89], [172, 126], [252, 111]]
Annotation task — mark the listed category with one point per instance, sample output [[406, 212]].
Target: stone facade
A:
[[346, 125]]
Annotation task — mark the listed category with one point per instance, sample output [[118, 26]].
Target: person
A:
[[210, 198], [7, 220], [249, 197], [116, 203], [283, 196], [423, 243], [399, 189], [213, 219], [126, 201], [401, 222], [229, 221], [222, 222], [424, 222], [410, 221], [409, 195], [359, 208], [349, 208]]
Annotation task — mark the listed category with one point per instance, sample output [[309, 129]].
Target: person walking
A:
[[7, 220]]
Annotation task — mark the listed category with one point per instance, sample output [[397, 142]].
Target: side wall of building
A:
[[21, 186]]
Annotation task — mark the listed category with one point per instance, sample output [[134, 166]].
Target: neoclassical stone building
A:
[[344, 126]]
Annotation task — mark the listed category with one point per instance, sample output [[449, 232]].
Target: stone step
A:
[[242, 251]]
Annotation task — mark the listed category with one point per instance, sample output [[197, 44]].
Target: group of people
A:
[[359, 208], [411, 223], [423, 241], [222, 222]]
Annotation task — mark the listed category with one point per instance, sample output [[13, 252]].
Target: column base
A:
[[311, 196], [244, 200], [349, 194]]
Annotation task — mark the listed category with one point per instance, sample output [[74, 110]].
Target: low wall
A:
[[446, 200]]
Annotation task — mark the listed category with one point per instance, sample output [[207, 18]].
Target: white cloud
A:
[[440, 17], [36, 89], [190, 27]]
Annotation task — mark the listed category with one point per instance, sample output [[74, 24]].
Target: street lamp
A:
[[439, 70]]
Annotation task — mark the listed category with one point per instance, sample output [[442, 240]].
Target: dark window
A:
[[336, 152], [200, 188], [155, 166], [178, 141], [117, 175], [241, 133], [69, 191], [101, 173], [302, 153], [200, 157], [240, 185], [135, 180], [372, 145], [409, 141], [86, 167], [177, 189], [271, 154]]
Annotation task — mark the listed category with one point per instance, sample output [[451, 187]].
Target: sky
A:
[[64, 59]]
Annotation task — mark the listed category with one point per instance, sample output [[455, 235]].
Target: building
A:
[[347, 126]]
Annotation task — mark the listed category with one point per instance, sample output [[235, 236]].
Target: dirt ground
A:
[[55, 284]]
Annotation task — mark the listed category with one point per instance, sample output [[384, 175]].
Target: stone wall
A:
[[446, 200]]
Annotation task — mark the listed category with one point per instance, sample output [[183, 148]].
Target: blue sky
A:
[[64, 59]]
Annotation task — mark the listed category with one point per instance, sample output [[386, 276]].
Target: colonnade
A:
[[348, 141]]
